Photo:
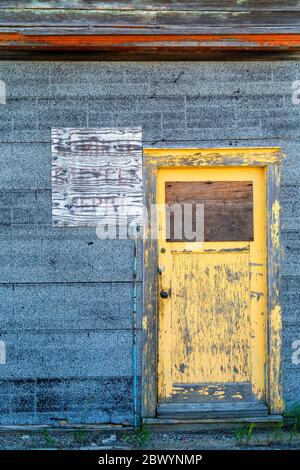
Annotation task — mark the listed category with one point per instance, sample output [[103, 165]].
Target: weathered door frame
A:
[[268, 158]]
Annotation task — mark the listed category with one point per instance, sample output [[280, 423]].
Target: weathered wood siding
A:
[[156, 16], [96, 177], [57, 21], [155, 25]]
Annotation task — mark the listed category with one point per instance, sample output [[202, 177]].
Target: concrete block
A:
[[269, 87], [286, 71], [6, 305], [290, 299], [242, 102], [136, 73], [24, 111], [174, 121], [5, 404], [251, 72], [6, 170], [290, 334], [291, 386], [291, 254], [18, 387], [286, 127], [290, 366], [120, 90], [207, 134], [191, 72], [290, 205], [58, 354], [61, 112], [290, 165], [150, 122], [17, 396], [155, 103], [25, 166], [125, 417], [96, 118], [255, 114], [88, 306], [5, 217], [101, 394], [25, 79], [29, 232], [6, 122], [86, 75], [207, 118], [24, 216], [111, 104], [52, 260], [23, 404], [113, 260], [34, 160]]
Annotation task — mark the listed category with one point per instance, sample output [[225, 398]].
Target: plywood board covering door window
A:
[[228, 208]]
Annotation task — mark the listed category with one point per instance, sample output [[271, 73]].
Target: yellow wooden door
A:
[[212, 291]]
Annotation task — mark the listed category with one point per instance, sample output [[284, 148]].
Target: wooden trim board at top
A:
[[269, 158], [253, 156], [116, 41]]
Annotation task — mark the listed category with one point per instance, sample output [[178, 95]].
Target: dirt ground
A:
[[95, 440]]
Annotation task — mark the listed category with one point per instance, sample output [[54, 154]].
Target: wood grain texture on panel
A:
[[152, 18], [82, 23], [228, 208], [96, 177], [159, 5]]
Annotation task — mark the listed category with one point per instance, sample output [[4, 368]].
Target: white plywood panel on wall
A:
[[96, 177]]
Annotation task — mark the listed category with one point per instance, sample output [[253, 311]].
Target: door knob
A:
[[164, 294]]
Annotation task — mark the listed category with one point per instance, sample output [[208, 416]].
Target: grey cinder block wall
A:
[[66, 297]]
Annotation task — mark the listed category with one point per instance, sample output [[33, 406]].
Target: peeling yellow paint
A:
[[275, 227], [211, 330], [238, 395], [275, 369], [209, 157], [210, 326]]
